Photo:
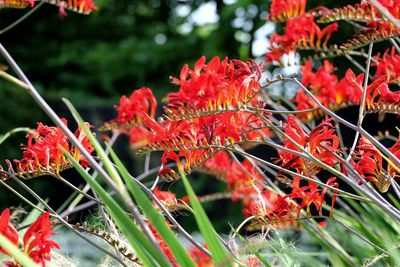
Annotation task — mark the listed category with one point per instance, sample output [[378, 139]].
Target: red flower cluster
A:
[[44, 151], [332, 93], [378, 28], [310, 194], [321, 83], [300, 31], [79, 6], [209, 110], [199, 258], [131, 112], [272, 208], [384, 27], [37, 244], [388, 65], [216, 86], [368, 162], [163, 245], [167, 198], [242, 179], [245, 184], [319, 143], [199, 139]]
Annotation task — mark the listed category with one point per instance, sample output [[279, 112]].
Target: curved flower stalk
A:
[[79, 6], [37, 244], [362, 12], [377, 32], [43, 153], [368, 162], [378, 28]]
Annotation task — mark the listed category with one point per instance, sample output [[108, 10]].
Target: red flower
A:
[[253, 261], [310, 194], [300, 31], [218, 85], [388, 64], [369, 164], [44, 151], [271, 207], [132, 112], [200, 258], [323, 134], [219, 165], [7, 230], [167, 198], [163, 245], [321, 83], [350, 88], [37, 244]]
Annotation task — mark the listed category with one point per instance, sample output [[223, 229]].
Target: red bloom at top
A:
[[300, 31], [323, 134], [7, 230], [283, 9], [218, 85], [131, 110], [131, 113]]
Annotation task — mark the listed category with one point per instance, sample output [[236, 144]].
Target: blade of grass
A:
[[99, 150], [145, 250], [156, 219], [215, 245]]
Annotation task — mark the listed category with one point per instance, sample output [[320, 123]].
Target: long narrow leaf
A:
[[217, 249], [156, 219], [16, 253], [99, 150], [145, 250]]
